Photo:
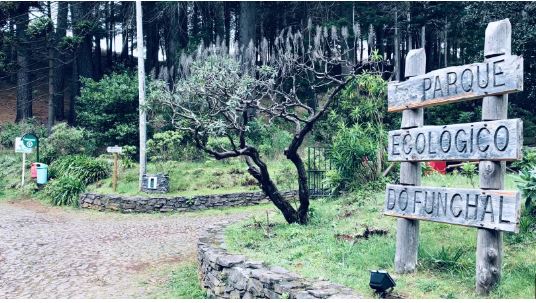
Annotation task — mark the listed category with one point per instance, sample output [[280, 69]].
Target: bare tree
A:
[[218, 94]]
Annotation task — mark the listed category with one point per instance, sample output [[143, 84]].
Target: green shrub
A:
[[165, 146], [528, 185], [88, 170], [468, 170], [109, 108], [354, 155], [66, 140], [9, 131], [271, 139], [528, 161], [64, 190]]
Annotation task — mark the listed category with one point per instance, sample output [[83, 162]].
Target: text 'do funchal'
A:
[[492, 209]]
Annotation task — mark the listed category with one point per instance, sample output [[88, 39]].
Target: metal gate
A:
[[318, 163]]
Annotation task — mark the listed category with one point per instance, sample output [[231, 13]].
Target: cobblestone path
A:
[[48, 252]]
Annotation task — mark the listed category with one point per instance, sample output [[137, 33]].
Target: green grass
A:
[[183, 284], [446, 266], [197, 178]]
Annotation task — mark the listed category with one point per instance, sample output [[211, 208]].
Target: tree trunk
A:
[[98, 51], [84, 50], [152, 37], [247, 22], [59, 70], [396, 46], [227, 23], [51, 59], [257, 168], [125, 12], [303, 189], [109, 33], [24, 88]]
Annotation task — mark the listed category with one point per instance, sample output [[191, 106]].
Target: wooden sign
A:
[[490, 140], [492, 209], [114, 149], [497, 76]]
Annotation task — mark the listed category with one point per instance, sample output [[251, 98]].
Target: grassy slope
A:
[[192, 178], [314, 251]]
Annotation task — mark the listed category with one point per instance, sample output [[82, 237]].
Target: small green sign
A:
[[30, 141]]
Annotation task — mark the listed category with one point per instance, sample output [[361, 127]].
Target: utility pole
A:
[[141, 90]]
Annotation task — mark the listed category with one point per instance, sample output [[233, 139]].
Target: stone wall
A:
[[226, 275], [162, 184], [166, 204]]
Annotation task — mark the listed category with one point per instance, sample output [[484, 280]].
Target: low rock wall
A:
[[226, 275], [142, 204]]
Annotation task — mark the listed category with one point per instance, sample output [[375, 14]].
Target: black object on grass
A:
[[381, 281]]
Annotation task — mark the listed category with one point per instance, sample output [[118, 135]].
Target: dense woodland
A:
[[59, 41]]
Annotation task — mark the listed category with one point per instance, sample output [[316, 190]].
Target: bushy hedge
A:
[[66, 140], [85, 168], [64, 190], [9, 131], [70, 176], [109, 108]]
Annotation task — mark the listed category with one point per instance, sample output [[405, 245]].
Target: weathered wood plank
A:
[[496, 76], [489, 247], [491, 140], [492, 209], [407, 230]]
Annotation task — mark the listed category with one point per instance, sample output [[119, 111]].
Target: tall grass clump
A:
[[64, 190], [87, 169]]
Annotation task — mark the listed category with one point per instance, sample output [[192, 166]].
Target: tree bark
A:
[[24, 87], [258, 169], [247, 22], [51, 63], [84, 50], [125, 12], [227, 23], [59, 70], [152, 37]]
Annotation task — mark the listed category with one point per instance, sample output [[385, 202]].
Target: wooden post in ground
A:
[[114, 177], [489, 242], [407, 230]]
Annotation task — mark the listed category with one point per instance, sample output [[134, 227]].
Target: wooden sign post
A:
[[489, 250], [491, 209], [407, 229], [116, 150]]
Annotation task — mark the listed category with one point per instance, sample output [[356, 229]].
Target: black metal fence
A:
[[318, 163]]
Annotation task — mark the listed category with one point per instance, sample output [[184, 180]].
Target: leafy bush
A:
[[9, 131], [528, 161], [528, 185], [109, 108], [64, 190], [165, 146], [354, 155], [468, 170], [66, 140], [86, 169], [270, 138]]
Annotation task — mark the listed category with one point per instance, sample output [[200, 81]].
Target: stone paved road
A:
[[48, 252]]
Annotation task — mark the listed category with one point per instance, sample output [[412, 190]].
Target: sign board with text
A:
[[20, 147], [490, 140], [492, 209], [114, 149], [497, 76]]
